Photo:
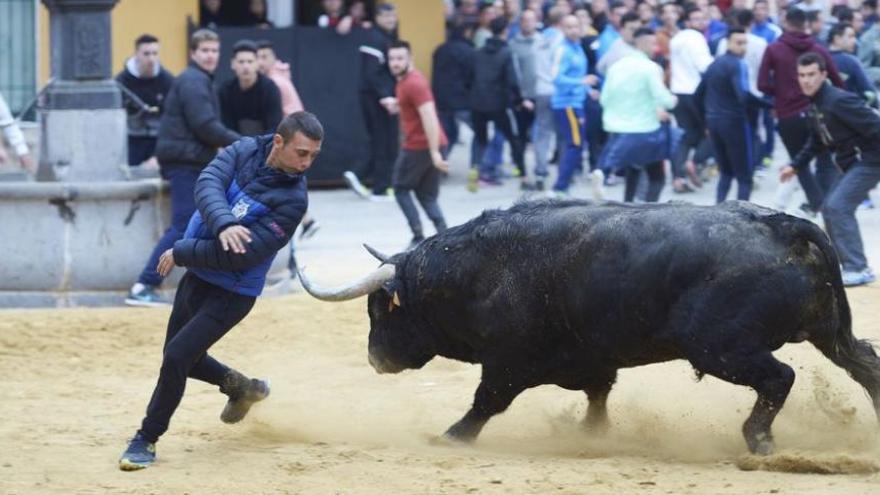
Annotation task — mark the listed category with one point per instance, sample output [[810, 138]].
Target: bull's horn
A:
[[376, 254], [356, 289]]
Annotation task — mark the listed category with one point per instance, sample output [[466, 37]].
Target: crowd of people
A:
[[635, 90]]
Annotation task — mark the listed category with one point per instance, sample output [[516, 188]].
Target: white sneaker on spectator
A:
[[355, 184], [597, 184], [381, 198]]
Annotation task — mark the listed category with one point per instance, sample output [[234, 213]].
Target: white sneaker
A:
[[597, 184], [355, 184], [381, 198]]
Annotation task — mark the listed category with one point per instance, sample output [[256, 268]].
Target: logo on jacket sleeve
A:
[[240, 209]]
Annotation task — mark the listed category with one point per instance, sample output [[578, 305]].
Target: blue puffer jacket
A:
[[238, 188]]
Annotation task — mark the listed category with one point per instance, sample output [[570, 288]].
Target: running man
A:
[[249, 201]]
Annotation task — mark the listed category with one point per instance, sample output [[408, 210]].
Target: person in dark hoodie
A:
[[839, 121], [190, 132], [250, 199], [453, 68], [250, 103], [378, 106], [777, 78], [147, 84], [494, 92]]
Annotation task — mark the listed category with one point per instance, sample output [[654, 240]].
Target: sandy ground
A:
[[76, 382]]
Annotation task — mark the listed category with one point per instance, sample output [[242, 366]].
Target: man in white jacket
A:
[[689, 57], [15, 138]]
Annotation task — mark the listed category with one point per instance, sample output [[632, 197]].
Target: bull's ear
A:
[[394, 303]]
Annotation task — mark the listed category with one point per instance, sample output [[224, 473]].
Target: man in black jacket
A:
[[250, 199], [190, 133], [378, 106], [841, 123], [494, 92], [453, 67], [250, 103], [148, 83]]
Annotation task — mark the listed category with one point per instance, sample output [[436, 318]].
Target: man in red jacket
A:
[[778, 78]]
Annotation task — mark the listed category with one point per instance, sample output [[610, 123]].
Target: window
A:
[[18, 52]]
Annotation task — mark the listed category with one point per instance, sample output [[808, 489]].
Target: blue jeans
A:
[[182, 182], [571, 131], [839, 213]]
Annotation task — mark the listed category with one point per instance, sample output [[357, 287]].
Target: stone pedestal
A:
[[83, 124]]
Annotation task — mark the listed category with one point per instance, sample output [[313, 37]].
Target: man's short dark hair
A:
[[302, 121], [871, 4], [795, 18], [811, 58], [837, 30], [555, 15], [744, 17], [400, 44], [262, 44], [690, 9], [735, 30], [244, 46], [812, 16], [629, 17], [643, 31], [845, 14], [616, 4], [144, 39], [201, 36], [385, 7], [498, 25]]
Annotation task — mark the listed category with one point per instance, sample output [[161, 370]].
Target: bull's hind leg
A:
[[493, 396], [597, 392], [758, 369]]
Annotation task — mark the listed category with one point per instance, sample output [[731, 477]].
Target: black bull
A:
[[567, 293]]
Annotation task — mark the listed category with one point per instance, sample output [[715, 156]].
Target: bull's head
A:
[[396, 340]]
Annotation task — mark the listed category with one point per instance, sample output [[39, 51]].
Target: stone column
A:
[[83, 124]]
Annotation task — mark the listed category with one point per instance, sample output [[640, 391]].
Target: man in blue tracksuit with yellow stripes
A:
[[723, 95], [249, 201], [570, 81]]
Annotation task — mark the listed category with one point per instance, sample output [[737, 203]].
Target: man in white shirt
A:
[[688, 58], [15, 138]]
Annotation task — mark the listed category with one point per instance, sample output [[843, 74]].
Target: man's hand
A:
[[235, 237], [591, 80], [787, 173], [166, 263], [390, 104], [528, 105], [27, 163], [439, 162], [594, 94], [663, 115]]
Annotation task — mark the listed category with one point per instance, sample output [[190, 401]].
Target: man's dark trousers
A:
[[382, 130], [202, 314]]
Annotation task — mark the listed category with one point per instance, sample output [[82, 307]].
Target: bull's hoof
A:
[[596, 426], [761, 444], [446, 440], [461, 433]]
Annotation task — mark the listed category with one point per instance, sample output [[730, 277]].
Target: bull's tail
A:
[[858, 357]]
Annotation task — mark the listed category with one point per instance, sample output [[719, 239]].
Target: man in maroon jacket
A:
[[778, 78]]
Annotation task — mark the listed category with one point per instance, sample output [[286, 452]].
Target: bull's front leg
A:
[[491, 398]]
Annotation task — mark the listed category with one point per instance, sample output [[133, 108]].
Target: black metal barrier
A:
[[325, 68]]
